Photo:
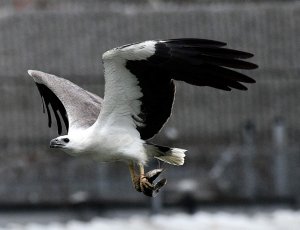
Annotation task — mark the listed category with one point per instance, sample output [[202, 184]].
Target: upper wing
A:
[[77, 107], [139, 89]]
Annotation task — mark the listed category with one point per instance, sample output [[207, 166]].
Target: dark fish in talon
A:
[[148, 192], [158, 186], [155, 190], [150, 177], [153, 174]]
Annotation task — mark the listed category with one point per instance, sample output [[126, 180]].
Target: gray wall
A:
[[68, 39]]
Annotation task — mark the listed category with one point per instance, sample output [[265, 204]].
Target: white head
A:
[[68, 143], [60, 142]]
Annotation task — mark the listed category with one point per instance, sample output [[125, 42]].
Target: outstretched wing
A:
[[76, 107], [139, 90]]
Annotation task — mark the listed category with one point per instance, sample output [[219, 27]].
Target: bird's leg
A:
[[144, 181], [134, 177]]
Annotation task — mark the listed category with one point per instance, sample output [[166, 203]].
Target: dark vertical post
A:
[[156, 203], [249, 177], [280, 158]]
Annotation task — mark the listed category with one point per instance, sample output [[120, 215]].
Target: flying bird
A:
[[138, 99]]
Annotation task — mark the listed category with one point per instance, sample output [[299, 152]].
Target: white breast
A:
[[115, 144]]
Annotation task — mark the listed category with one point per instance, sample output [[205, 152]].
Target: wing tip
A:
[[30, 72], [255, 66], [252, 81], [39, 76], [35, 74]]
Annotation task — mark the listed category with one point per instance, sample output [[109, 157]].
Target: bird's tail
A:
[[173, 156]]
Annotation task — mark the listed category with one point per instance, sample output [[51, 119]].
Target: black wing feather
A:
[[49, 98], [203, 64], [196, 42], [199, 62], [158, 95], [212, 51]]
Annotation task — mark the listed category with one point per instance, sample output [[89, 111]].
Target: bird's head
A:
[[62, 142], [71, 144]]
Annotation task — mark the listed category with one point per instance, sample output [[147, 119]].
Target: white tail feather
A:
[[174, 156]]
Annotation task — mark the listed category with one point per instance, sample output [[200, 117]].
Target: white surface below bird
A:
[[139, 94]]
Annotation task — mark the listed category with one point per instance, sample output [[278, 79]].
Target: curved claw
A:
[[147, 186], [153, 174], [152, 192]]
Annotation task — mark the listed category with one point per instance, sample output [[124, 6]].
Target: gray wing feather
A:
[[77, 107]]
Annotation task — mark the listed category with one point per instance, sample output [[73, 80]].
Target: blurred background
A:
[[243, 146]]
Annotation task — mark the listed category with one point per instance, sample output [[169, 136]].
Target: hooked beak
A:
[[55, 143]]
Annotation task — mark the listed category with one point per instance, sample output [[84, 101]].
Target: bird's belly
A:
[[117, 148]]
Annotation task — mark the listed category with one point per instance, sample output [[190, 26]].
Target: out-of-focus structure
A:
[[242, 145]]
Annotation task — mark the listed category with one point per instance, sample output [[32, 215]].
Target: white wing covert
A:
[[122, 101]]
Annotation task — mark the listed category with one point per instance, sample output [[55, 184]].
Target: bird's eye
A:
[[66, 140]]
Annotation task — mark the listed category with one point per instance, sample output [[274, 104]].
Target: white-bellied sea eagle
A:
[[138, 99]]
